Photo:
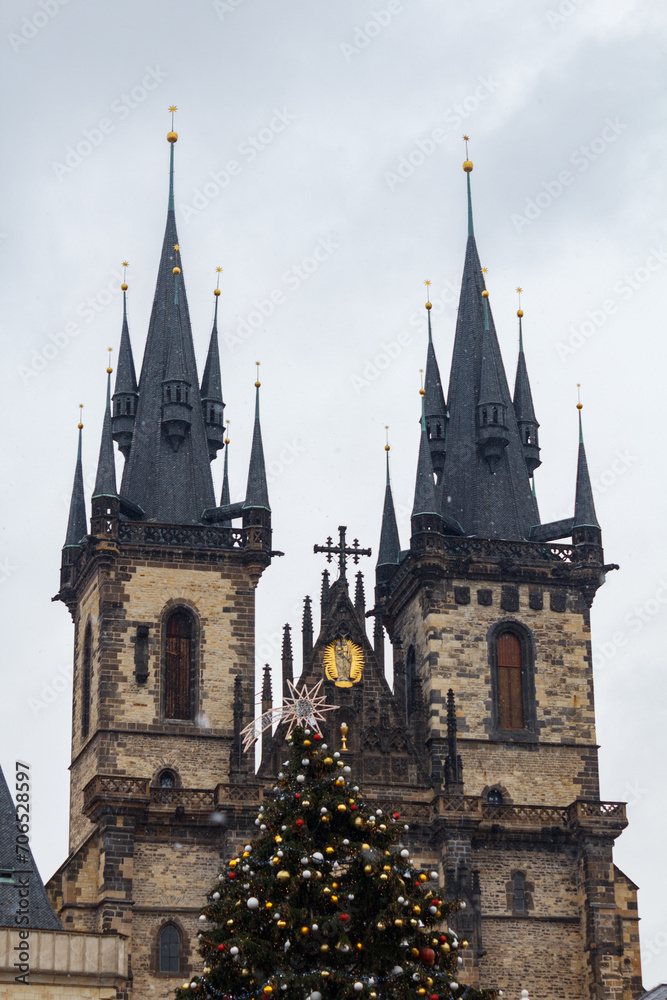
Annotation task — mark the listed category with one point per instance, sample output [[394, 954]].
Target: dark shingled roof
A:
[[211, 382], [434, 400], [390, 546], [657, 993], [105, 482], [77, 525], [488, 504], [425, 501], [523, 397], [257, 492], [18, 871], [126, 378], [584, 506], [172, 487]]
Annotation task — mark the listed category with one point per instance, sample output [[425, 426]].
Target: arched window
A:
[[178, 393], [410, 677], [510, 682], [519, 891], [170, 949], [179, 665], [86, 680], [167, 779], [495, 797], [495, 414]]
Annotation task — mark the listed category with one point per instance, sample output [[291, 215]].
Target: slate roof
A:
[[18, 871], [657, 993], [105, 481], [126, 378], [523, 397], [425, 501], [257, 492], [172, 487], [211, 381], [488, 504], [434, 399], [584, 505], [390, 547], [77, 524]]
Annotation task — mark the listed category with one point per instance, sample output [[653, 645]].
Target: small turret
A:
[[523, 406], [360, 598], [211, 389], [426, 519], [176, 388], [105, 499], [267, 705], [287, 660], [586, 530], [126, 395], [389, 551], [307, 631], [77, 525], [492, 432], [256, 509], [434, 405]]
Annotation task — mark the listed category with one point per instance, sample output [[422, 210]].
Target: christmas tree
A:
[[326, 903]]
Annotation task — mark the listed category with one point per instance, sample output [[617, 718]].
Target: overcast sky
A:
[[319, 163]]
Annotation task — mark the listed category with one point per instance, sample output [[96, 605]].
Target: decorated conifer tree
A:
[[326, 904]]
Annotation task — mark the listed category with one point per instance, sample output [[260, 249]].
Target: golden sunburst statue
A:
[[343, 662]]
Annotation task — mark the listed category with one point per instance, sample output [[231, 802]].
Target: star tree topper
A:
[[301, 707]]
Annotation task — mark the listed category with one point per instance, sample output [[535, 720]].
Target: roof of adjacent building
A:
[[657, 993], [18, 872]]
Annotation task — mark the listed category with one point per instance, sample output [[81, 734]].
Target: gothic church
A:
[[485, 742]]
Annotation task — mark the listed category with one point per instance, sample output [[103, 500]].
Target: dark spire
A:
[[378, 640], [287, 660], [425, 502], [77, 524], [225, 496], [360, 598], [211, 390], [492, 432], [125, 395], [21, 879], [172, 486], [307, 631], [486, 503], [453, 769], [523, 408], [257, 493], [105, 482], [324, 598], [267, 693], [584, 505], [390, 547], [434, 405]]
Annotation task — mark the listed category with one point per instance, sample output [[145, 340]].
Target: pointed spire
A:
[[324, 597], [434, 403], [467, 166], [523, 405], [378, 640], [287, 660], [485, 502], [360, 598], [425, 501], [77, 524], [267, 693], [105, 482], [584, 505], [211, 387], [389, 551], [125, 393], [307, 631], [257, 493], [172, 486]]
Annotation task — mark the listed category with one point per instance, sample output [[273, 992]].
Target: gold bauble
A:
[[519, 313], [372, 995], [268, 989], [383, 877], [216, 291], [416, 909], [123, 287], [368, 869], [275, 861], [467, 166], [421, 991], [244, 972], [246, 854], [429, 981], [358, 821], [445, 947], [328, 760], [326, 819], [176, 270], [383, 827], [282, 876], [340, 781], [233, 863], [398, 922], [307, 743], [386, 868], [281, 923], [381, 926], [365, 847], [351, 801], [327, 891], [334, 885], [324, 947], [464, 944], [305, 930], [325, 972], [414, 952], [413, 922], [318, 874], [278, 839], [269, 906], [305, 804], [422, 877], [334, 899], [329, 850], [485, 294], [360, 946], [341, 808], [172, 136], [438, 913], [229, 923]]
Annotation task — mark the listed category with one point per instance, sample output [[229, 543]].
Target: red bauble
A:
[[443, 938], [427, 956], [397, 815], [317, 736], [434, 996], [344, 917], [299, 822], [221, 947], [354, 807], [435, 902], [232, 874]]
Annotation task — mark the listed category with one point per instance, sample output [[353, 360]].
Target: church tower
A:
[[489, 615], [161, 590]]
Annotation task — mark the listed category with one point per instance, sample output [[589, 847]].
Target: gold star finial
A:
[[227, 438], [177, 247], [217, 287], [580, 405], [428, 297], [485, 270], [109, 369], [387, 446], [172, 109], [80, 424], [125, 266], [519, 311], [467, 166], [257, 383]]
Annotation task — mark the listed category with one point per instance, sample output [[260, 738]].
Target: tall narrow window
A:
[[410, 676], [510, 682], [519, 892], [178, 666], [86, 680], [170, 948]]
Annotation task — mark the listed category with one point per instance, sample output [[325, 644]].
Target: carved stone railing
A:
[[112, 788], [193, 536], [580, 812], [228, 794], [189, 799], [482, 549]]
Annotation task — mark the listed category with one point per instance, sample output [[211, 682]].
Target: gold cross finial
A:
[[227, 438], [466, 139], [109, 369], [387, 446], [217, 287], [80, 425], [580, 405], [257, 383]]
